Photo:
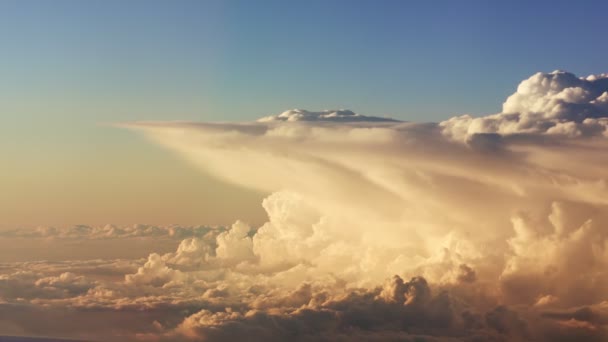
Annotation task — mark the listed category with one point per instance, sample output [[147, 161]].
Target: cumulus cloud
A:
[[556, 103], [472, 229], [397, 309]]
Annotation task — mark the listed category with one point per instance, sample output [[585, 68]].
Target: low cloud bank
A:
[[108, 231]]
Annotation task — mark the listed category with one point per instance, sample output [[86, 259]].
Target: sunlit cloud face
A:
[[490, 228]]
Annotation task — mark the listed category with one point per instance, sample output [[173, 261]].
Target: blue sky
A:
[[67, 66], [420, 61]]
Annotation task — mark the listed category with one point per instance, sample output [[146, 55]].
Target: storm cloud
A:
[[480, 229]]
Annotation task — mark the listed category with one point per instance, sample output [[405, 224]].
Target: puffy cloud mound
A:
[[556, 103], [399, 309]]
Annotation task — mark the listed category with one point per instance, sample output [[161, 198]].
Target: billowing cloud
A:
[[557, 103], [474, 229]]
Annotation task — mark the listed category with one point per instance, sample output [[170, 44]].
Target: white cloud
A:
[[556, 103], [154, 272]]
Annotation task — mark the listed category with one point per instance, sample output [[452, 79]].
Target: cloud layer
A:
[[108, 231], [474, 229]]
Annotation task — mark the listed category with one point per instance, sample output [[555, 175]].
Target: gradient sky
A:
[[68, 67]]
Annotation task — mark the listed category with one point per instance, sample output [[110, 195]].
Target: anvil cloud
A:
[[489, 228]]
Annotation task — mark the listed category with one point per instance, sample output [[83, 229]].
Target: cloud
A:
[[154, 272], [503, 219], [342, 115], [396, 309], [108, 231], [556, 103], [31, 285], [474, 229]]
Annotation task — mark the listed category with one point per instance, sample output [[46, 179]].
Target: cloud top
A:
[[341, 115], [556, 103]]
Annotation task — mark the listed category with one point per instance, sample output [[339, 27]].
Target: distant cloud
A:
[[108, 231], [341, 115]]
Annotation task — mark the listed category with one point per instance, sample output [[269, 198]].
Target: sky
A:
[[70, 69]]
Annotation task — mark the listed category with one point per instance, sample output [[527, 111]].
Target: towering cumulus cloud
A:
[[558, 103], [490, 227], [472, 229]]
